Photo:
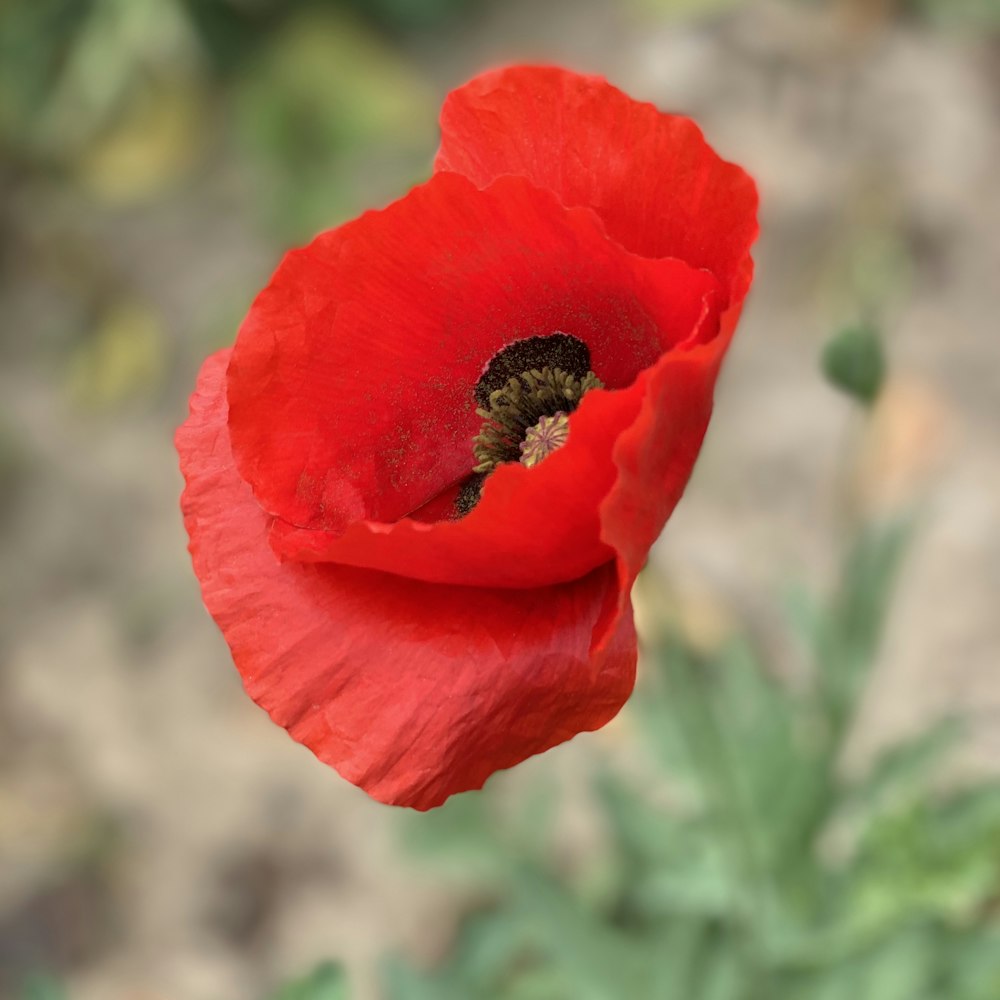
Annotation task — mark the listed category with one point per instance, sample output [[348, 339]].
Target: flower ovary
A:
[[548, 435], [515, 414]]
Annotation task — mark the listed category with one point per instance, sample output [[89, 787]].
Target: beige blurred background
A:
[[160, 839]]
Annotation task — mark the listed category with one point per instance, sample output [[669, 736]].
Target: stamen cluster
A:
[[519, 405]]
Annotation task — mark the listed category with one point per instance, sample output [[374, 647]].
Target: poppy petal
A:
[[410, 690], [533, 526], [659, 188], [351, 381], [655, 455]]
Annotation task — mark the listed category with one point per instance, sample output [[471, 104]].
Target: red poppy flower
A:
[[421, 483]]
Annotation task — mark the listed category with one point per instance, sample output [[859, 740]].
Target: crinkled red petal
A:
[[318, 448], [411, 691], [350, 385], [659, 188], [534, 526], [654, 456]]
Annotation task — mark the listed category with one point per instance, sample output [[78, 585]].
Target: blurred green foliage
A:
[[747, 865], [327, 982], [686, 9], [962, 14], [959, 13], [42, 987], [325, 106], [69, 69]]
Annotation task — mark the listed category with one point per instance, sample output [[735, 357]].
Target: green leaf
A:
[[491, 944], [463, 836], [400, 982], [41, 986], [679, 968], [904, 769], [854, 362], [938, 858], [326, 982], [699, 888], [848, 643], [901, 969], [724, 976], [599, 962], [973, 964]]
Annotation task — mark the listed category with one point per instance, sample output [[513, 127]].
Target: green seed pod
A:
[[854, 361]]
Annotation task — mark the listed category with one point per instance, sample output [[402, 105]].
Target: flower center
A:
[[557, 350], [528, 418], [525, 396], [544, 438]]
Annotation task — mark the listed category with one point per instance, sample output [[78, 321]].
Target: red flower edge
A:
[[658, 187], [412, 689], [345, 498]]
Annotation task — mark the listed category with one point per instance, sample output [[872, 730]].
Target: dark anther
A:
[[557, 350], [468, 494]]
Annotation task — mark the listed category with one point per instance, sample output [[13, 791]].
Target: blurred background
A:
[[801, 800]]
